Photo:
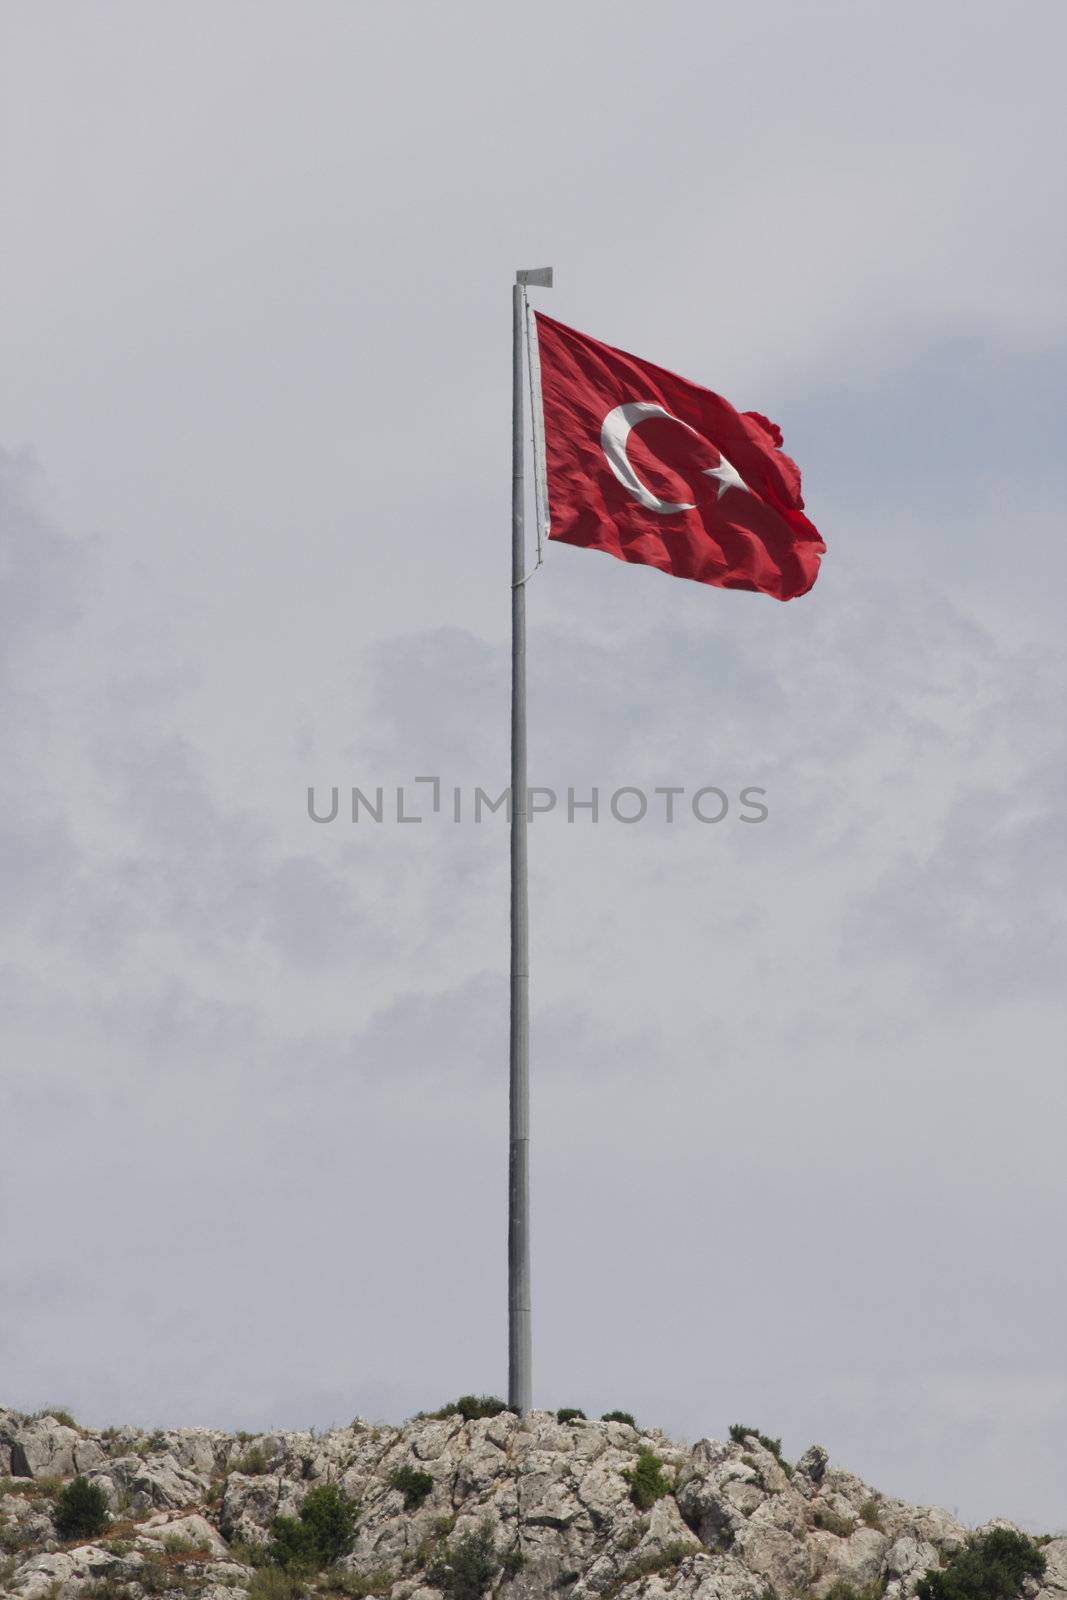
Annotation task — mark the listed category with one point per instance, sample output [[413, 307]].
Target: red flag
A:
[[653, 469]]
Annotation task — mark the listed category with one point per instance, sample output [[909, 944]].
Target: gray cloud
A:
[[795, 1112]]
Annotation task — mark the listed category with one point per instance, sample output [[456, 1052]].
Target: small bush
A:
[[58, 1414], [846, 1591], [512, 1564], [619, 1416], [740, 1431], [249, 1555], [465, 1570], [414, 1485], [672, 1555], [990, 1566], [871, 1514], [32, 1488], [645, 1566], [175, 1545], [253, 1463], [155, 1577], [269, 1583], [321, 1534], [80, 1510], [107, 1589], [570, 1414], [833, 1522], [430, 1544], [14, 1539], [359, 1585], [470, 1407], [646, 1480], [630, 1538]]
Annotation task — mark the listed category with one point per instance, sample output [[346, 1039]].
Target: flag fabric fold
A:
[[653, 469]]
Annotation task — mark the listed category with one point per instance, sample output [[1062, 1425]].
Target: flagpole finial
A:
[[535, 277]]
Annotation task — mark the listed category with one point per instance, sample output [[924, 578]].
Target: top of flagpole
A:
[[535, 277]]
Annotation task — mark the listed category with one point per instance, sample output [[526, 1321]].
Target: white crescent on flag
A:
[[614, 433]]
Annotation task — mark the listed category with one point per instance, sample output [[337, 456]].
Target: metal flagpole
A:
[[519, 1340]]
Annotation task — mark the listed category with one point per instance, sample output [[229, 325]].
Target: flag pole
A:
[[519, 1337]]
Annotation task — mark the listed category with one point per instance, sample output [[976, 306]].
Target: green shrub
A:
[[321, 1534], [80, 1510], [58, 1414], [269, 1583], [466, 1569], [44, 1488], [175, 1545], [833, 1522], [646, 1480], [645, 1566], [430, 1544], [513, 1563], [253, 1463], [740, 1431], [414, 1486], [249, 1555], [990, 1566], [359, 1585], [871, 1514], [472, 1406], [155, 1576], [570, 1414], [619, 1416], [846, 1591], [107, 1589], [13, 1538]]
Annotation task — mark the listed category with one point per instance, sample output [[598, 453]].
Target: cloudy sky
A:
[[798, 1101]]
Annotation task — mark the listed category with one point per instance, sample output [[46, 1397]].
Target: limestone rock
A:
[[152, 1481], [812, 1464], [194, 1529], [557, 1495], [250, 1505], [1054, 1586], [44, 1449], [857, 1560]]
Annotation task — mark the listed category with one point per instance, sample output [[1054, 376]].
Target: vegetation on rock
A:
[[833, 1522], [646, 1480], [80, 1510], [470, 1407], [740, 1431], [413, 1485], [466, 1570], [990, 1566], [482, 1512], [319, 1535]]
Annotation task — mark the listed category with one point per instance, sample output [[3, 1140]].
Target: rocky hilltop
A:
[[451, 1508]]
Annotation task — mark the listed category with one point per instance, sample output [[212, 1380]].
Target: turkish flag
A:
[[653, 469]]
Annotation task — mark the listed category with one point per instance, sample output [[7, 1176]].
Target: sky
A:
[[798, 1104]]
